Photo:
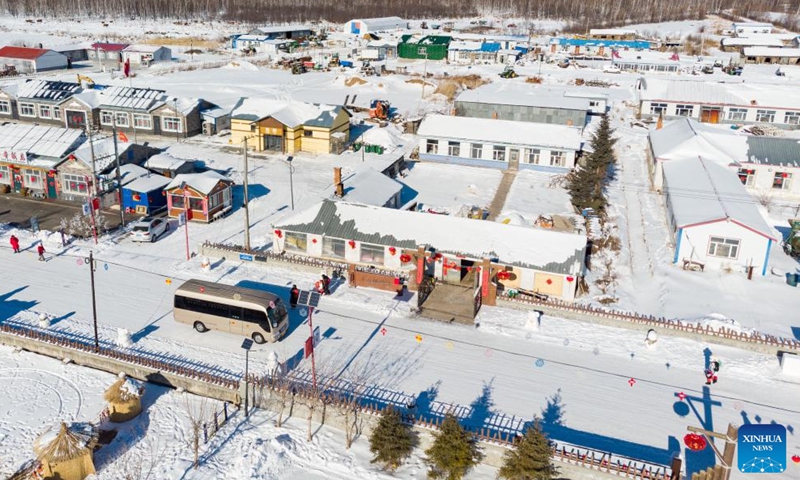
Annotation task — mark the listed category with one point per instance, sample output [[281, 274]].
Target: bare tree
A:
[[765, 198], [140, 464], [198, 412]]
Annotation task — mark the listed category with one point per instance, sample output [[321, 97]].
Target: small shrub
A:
[[534, 79], [454, 451], [392, 441]]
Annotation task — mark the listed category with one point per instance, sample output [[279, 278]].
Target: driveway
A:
[[18, 211]]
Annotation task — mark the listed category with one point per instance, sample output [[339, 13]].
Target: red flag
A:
[[309, 347], [675, 57], [615, 54], [123, 137], [127, 69]]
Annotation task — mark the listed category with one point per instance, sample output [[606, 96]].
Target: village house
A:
[[771, 55], [744, 29], [289, 126], [366, 186], [145, 194], [612, 34], [262, 44], [103, 51], [715, 102], [380, 50], [544, 261], [146, 54], [32, 60], [523, 103], [29, 155], [209, 195], [289, 32], [75, 52], [363, 26], [40, 100], [738, 44], [768, 167], [648, 64], [471, 52], [581, 47], [169, 166], [712, 226], [429, 47], [499, 144]]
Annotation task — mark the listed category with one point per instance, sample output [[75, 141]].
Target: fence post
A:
[[225, 410], [205, 433]]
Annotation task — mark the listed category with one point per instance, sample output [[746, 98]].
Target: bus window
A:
[[258, 317]]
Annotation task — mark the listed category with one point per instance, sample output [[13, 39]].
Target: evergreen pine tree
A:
[[392, 441], [454, 451], [532, 459], [585, 184]]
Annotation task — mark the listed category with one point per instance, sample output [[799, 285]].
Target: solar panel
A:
[[302, 299], [310, 299], [314, 300]]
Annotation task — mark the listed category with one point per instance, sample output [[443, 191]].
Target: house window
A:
[[476, 150], [27, 110], [499, 153], [532, 155], [782, 181], [213, 200], [558, 158], [737, 114], [45, 111], [432, 146], [658, 108], [296, 242], [747, 176], [171, 124], [371, 253], [5, 175], [333, 247], [792, 118], [57, 113], [106, 117], [142, 122], [196, 204], [594, 103], [308, 133], [684, 110], [32, 178], [122, 119], [422, 51], [5, 106], [766, 116], [453, 149], [74, 184], [723, 247], [177, 201]]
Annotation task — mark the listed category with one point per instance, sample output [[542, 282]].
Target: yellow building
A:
[[289, 127]]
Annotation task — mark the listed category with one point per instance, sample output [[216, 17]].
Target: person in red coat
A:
[[40, 250], [294, 294], [14, 243]]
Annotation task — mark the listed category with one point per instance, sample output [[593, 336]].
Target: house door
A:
[[17, 179], [156, 125], [273, 142], [708, 115], [76, 119], [513, 158]]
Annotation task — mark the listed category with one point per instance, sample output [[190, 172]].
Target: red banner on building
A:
[[309, 347], [485, 282], [420, 269]]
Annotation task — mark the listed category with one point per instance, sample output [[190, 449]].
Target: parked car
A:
[[149, 229], [611, 69]]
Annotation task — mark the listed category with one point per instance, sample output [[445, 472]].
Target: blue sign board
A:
[[246, 257]]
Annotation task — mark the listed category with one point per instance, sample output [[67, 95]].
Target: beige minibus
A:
[[253, 313]]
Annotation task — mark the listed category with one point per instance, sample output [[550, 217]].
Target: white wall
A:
[[751, 116], [764, 176], [694, 242], [51, 61], [487, 151]]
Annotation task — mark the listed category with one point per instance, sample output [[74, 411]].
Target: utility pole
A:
[[291, 183], [180, 122], [246, 201], [119, 176], [92, 189], [94, 301], [721, 472], [313, 347], [424, 74]]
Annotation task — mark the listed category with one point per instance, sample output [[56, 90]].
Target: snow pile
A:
[[124, 338], [241, 65], [513, 218], [382, 137]]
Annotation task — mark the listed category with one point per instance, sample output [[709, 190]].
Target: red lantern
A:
[[570, 279], [136, 197], [202, 289], [405, 258], [785, 175], [278, 233], [352, 243], [695, 442], [313, 240], [503, 275], [796, 458], [549, 281], [392, 250]]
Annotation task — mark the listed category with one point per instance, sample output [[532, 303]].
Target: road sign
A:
[[86, 209], [181, 218], [317, 336], [246, 257], [247, 344]]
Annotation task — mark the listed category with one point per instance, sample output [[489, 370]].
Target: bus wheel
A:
[[200, 327], [258, 338]]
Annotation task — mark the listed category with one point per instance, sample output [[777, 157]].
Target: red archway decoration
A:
[[278, 233], [695, 442]]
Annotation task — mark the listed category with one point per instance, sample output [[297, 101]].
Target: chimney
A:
[[660, 123], [337, 181]]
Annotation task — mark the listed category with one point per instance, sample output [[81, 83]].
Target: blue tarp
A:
[[635, 44], [490, 47]]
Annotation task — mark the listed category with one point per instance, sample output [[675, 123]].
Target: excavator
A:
[[379, 109], [84, 78]]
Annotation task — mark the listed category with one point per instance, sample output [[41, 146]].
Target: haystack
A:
[[124, 399], [65, 451]]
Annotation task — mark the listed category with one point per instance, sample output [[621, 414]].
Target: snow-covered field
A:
[[588, 366]]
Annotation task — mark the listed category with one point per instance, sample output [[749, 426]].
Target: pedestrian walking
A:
[[40, 250], [711, 377], [293, 296], [326, 284], [14, 243]]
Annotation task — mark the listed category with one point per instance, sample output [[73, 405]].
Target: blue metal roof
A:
[[606, 43], [490, 47]]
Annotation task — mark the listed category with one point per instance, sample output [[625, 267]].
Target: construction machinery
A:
[[367, 69], [84, 78], [334, 61], [379, 109], [792, 244], [9, 71], [508, 72]]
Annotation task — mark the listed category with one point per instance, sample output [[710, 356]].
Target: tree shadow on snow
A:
[[10, 307]]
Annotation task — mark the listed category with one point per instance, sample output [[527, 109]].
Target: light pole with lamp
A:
[[246, 197], [291, 183], [186, 215], [247, 344], [424, 73]]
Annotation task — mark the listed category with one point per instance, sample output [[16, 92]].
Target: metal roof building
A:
[[522, 103], [37, 145]]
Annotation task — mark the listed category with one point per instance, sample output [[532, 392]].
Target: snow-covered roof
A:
[[103, 151], [200, 182], [771, 52], [164, 161], [751, 24], [688, 138], [139, 48], [754, 40], [369, 187], [148, 183], [217, 112], [283, 29], [71, 47], [47, 90], [128, 173], [751, 95], [465, 45], [507, 132], [382, 23], [540, 249], [132, 98], [42, 146], [780, 36], [701, 191], [611, 31], [510, 93], [89, 97], [289, 113]]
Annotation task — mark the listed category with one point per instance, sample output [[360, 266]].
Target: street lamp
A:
[[247, 344], [291, 183]]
